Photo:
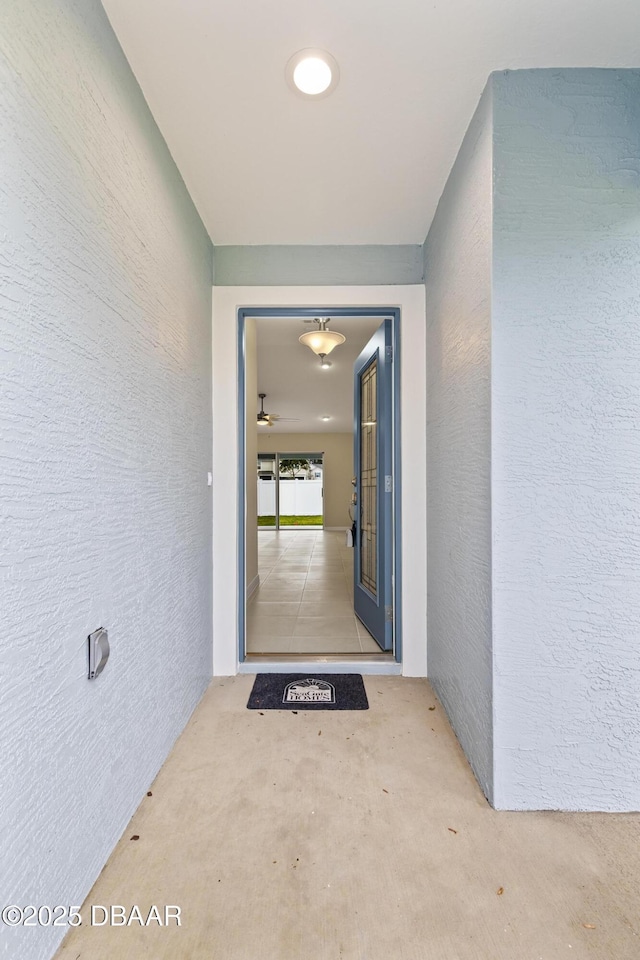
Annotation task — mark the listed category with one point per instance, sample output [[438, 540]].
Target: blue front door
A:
[[373, 458]]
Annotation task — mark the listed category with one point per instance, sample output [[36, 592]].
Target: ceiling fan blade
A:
[[272, 418]]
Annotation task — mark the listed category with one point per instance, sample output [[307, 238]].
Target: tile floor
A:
[[304, 604]]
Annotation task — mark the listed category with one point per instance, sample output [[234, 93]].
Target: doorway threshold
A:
[[382, 665]]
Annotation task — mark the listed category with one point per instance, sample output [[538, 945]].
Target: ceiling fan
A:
[[268, 419]]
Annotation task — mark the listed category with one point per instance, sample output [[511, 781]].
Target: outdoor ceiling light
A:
[[312, 73], [322, 341]]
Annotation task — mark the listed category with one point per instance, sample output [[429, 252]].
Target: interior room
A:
[[299, 541]]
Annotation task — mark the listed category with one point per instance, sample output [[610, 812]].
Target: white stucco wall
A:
[[226, 301], [105, 444], [458, 289], [566, 439], [533, 286]]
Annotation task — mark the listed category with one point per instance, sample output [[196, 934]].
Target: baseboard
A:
[[253, 586]]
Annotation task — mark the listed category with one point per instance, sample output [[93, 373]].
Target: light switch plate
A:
[[98, 652]]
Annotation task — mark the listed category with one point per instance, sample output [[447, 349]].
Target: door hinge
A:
[[388, 484], [389, 353], [388, 613]]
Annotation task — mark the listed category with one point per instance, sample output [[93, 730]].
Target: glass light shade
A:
[[312, 76], [322, 341], [312, 73]]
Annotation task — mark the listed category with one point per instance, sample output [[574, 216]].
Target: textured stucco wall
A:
[[566, 439], [105, 444], [458, 294]]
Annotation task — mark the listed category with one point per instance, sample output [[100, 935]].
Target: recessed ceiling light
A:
[[312, 73], [326, 418]]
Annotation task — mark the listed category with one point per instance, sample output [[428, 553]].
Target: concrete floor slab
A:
[[356, 836]]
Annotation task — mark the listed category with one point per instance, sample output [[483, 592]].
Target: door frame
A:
[[383, 312]]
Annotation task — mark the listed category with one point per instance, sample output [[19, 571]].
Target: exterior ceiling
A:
[[296, 386], [367, 164]]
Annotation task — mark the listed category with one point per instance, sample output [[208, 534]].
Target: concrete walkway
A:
[[356, 836]]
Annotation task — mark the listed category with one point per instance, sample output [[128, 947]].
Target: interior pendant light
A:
[[322, 341]]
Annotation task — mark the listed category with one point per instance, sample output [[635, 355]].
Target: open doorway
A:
[[298, 564]]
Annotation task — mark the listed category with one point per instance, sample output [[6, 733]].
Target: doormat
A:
[[303, 691]]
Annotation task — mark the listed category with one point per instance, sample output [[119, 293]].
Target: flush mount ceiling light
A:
[[322, 341], [312, 73]]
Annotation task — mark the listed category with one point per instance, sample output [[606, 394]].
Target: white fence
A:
[[298, 498]]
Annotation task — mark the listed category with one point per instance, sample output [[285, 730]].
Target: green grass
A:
[[290, 521]]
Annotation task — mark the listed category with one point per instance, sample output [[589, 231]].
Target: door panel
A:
[[368, 478], [373, 547]]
